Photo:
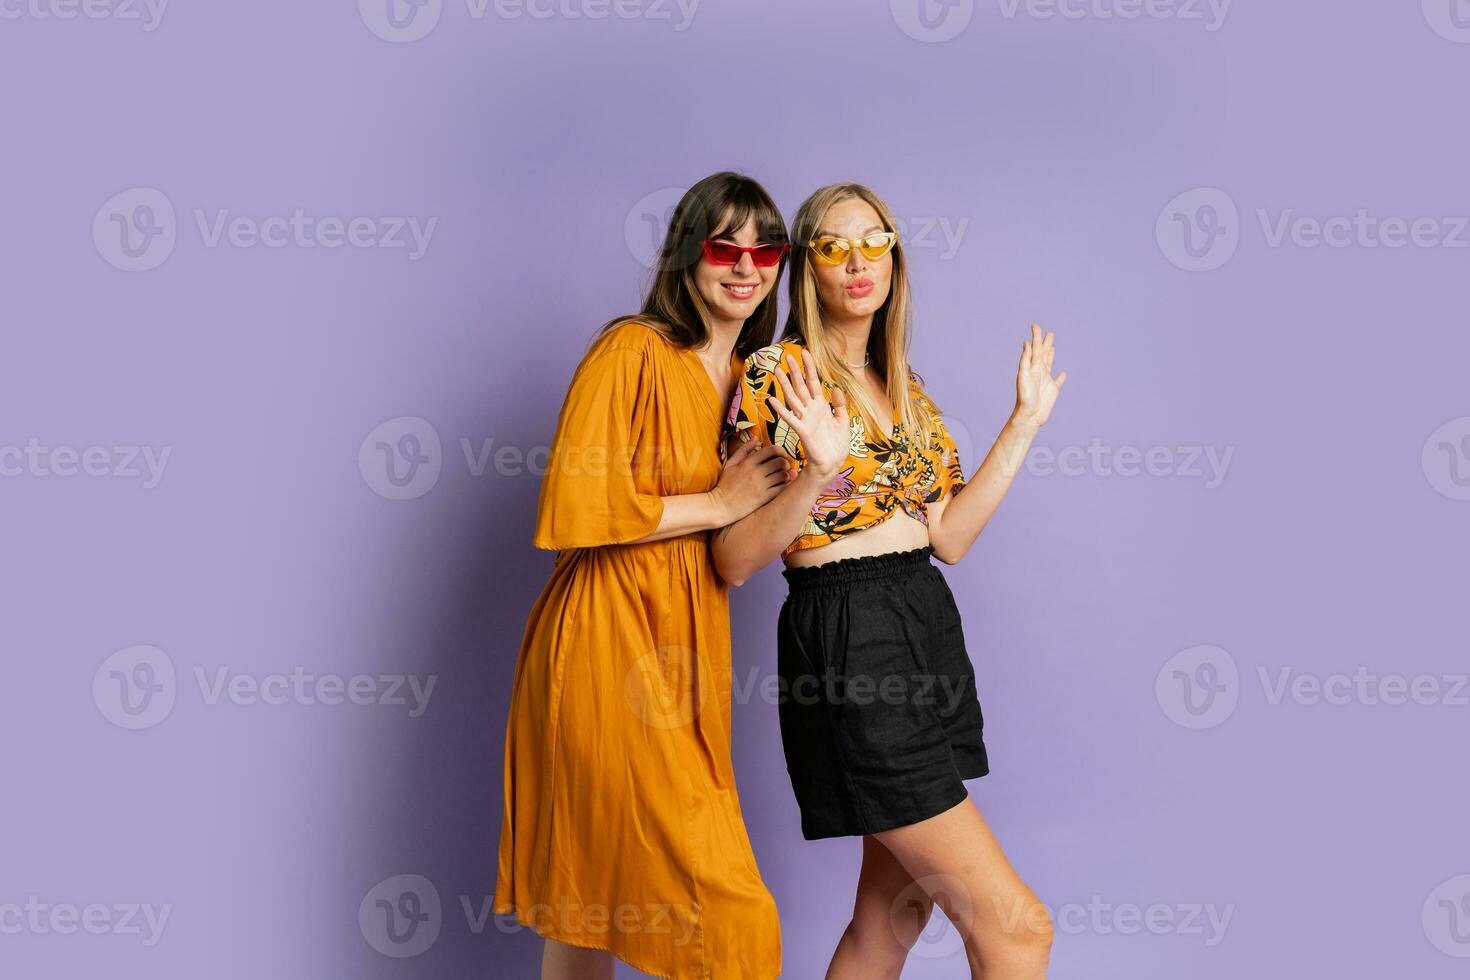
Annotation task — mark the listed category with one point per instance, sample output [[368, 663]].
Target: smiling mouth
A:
[[738, 290]]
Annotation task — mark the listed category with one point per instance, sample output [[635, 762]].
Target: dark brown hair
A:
[[716, 207]]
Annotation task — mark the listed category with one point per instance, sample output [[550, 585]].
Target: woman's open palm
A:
[[823, 426], [1036, 389]]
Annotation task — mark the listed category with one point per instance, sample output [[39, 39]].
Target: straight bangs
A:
[[747, 203]]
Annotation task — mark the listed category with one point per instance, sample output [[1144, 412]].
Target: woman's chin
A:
[[853, 309], [732, 309]]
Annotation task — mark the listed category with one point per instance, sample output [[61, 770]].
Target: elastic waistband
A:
[[845, 571]]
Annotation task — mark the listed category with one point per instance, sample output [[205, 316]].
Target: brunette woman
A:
[[622, 832], [880, 720]]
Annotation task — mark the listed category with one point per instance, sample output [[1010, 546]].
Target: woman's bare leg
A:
[[956, 859], [887, 917], [562, 962]]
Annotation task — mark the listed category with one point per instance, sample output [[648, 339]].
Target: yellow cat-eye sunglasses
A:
[[831, 250]]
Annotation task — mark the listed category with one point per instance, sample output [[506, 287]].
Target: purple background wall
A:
[[1258, 474]]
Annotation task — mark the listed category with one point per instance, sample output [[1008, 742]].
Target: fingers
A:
[[1039, 351], [775, 468], [788, 388], [839, 405], [743, 451], [753, 452], [777, 476], [797, 377], [1061, 380], [785, 414], [809, 362]]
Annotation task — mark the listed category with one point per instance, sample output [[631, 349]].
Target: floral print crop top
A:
[[881, 473]]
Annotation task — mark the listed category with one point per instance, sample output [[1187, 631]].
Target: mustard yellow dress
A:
[[622, 827]]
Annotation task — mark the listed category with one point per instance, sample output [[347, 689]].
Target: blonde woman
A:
[[880, 720]]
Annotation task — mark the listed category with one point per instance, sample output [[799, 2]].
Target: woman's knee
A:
[[1023, 938], [906, 919]]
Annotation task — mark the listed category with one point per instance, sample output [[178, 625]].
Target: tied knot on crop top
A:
[[882, 472]]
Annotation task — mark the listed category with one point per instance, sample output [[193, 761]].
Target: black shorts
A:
[[879, 716]]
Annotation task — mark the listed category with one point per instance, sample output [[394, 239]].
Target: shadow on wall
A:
[[471, 579]]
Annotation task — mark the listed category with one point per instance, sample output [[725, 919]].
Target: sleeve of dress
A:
[[589, 497], [752, 417]]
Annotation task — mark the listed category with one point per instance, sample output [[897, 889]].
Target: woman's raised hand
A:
[[1036, 389], [824, 428]]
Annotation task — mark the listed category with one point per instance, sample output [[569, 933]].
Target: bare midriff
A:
[[897, 532]]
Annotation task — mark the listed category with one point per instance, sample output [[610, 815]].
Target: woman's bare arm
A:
[[752, 476], [955, 523]]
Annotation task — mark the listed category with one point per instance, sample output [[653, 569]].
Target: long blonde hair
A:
[[888, 341]]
